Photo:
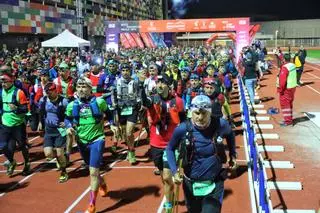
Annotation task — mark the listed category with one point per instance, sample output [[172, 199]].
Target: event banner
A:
[[112, 36], [129, 26], [183, 25], [192, 25]]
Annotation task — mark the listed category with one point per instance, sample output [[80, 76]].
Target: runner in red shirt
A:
[[165, 112]]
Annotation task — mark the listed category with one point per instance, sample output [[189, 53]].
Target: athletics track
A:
[[137, 189]]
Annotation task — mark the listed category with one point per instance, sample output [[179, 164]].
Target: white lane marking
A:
[[160, 209], [314, 90], [33, 138], [85, 192]]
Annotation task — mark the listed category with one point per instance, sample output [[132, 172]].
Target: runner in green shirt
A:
[[13, 109], [85, 118]]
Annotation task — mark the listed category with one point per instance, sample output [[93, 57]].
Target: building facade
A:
[[25, 20]]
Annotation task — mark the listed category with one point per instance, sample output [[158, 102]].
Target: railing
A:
[[260, 193]]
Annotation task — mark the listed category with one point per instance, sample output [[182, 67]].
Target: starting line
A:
[[267, 136], [263, 126], [270, 148], [260, 118], [278, 164], [283, 185], [258, 106]]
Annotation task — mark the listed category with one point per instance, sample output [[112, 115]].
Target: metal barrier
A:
[[256, 169]]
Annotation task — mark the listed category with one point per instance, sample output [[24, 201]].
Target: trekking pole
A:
[[177, 190]]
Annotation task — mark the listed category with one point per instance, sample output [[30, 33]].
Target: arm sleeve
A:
[[173, 144]]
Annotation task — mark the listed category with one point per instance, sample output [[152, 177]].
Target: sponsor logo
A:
[[242, 22], [113, 25]]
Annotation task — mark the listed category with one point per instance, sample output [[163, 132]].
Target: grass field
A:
[[313, 53]]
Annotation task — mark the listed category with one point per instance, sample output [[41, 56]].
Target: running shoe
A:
[[132, 157], [156, 172], [63, 177], [168, 208], [91, 208], [10, 169], [113, 150], [26, 169]]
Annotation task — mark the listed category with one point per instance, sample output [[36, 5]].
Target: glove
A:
[[114, 129], [233, 164], [177, 178]]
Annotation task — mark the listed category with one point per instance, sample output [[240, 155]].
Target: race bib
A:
[[189, 114], [62, 131], [126, 111], [203, 188], [164, 156]]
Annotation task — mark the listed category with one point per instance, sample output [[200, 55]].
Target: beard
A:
[[84, 94], [163, 92]]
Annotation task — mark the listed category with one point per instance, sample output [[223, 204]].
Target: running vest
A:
[[13, 101], [165, 111], [126, 92], [292, 77], [188, 151], [96, 113], [60, 109]]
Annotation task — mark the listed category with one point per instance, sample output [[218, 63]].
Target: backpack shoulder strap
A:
[[1, 102], [76, 112], [43, 106], [96, 113], [189, 129], [60, 109], [14, 96]]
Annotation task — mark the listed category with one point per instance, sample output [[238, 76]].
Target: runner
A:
[[164, 113], [13, 114], [203, 182], [52, 110], [129, 105], [85, 118]]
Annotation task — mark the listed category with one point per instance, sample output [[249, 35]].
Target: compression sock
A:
[[93, 197]]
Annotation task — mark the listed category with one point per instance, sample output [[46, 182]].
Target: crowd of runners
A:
[[180, 96]]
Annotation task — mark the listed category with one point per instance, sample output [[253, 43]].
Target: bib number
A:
[[203, 188], [126, 111], [164, 156], [62, 131]]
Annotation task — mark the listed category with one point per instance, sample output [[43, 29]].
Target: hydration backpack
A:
[[94, 107], [13, 100]]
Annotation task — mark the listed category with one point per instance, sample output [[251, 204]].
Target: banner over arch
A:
[[240, 26]]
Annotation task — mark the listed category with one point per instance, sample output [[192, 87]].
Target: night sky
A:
[[257, 10]]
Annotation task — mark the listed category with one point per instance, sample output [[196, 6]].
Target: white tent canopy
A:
[[65, 39]]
